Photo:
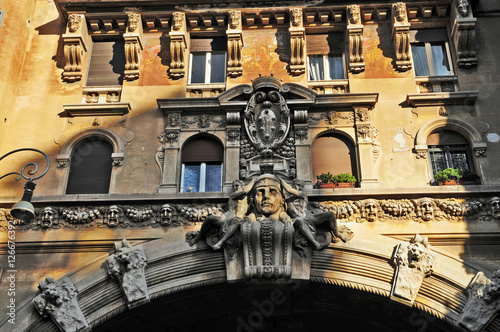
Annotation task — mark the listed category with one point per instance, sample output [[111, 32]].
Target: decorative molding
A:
[[414, 261], [234, 54], [442, 98], [97, 109], [401, 36], [463, 33], [297, 43], [483, 303], [58, 300], [133, 46], [75, 41], [169, 136], [178, 46], [354, 37], [127, 265]]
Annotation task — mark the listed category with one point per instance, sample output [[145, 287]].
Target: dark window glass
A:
[[218, 67], [336, 62], [198, 68], [90, 167], [439, 59], [107, 64], [420, 59], [448, 149]]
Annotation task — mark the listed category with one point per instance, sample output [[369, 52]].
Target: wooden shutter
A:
[[203, 149], [208, 44], [325, 43], [107, 64]]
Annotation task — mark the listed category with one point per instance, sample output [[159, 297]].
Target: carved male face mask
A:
[[268, 200], [113, 215], [371, 211], [166, 215], [427, 210], [47, 217]]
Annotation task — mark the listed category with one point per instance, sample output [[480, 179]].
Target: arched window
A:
[[90, 167], [333, 153], [448, 149], [202, 165]]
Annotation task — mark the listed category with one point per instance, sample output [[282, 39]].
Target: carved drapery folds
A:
[[58, 299], [463, 33], [178, 45], [483, 302], [401, 36], [127, 265], [133, 46], [297, 43], [414, 261], [75, 42], [234, 44], [355, 39]]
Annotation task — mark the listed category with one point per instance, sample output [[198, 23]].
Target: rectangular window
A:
[[325, 56], [208, 60], [430, 52], [448, 156], [201, 177], [107, 63]]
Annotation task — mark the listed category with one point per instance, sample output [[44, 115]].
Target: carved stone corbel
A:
[[57, 299], [234, 44], [75, 42], [483, 302], [414, 261], [126, 265], [355, 39], [463, 33], [401, 36], [178, 45], [297, 43], [133, 46]]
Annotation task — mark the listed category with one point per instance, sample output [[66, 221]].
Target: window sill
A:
[[428, 84], [441, 98], [329, 87], [97, 109], [205, 90]]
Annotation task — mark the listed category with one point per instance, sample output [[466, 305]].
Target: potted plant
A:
[[325, 180], [345, 180], [447, 177], [468, 177]]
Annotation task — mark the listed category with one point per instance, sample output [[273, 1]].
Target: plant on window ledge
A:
[[325, 180], [469, 177], [328, 180], [448, 176]]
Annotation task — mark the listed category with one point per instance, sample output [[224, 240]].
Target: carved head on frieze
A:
[[178, 19], [354, 13], [134, 20], [296, 17], [49, 217], [426, 208], [266, 197], [400, 11], [463, 7], [168, 215], [74, 22], [114, 216], [370, 209], [234, 19], [493, 206]]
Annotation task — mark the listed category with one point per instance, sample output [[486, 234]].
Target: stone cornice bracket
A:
[[58, 299], [414, 261], [297, 42], [483, 303], [127, 265], [463, 33], [133, 46], [355, 39], [234, 44], [401, 36], [178, 45], [75, 42]]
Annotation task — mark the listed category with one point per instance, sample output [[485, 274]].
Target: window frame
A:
[[121, 78], [208, 67], [326, 66], [203, 176], [442, 37], [447, 150]]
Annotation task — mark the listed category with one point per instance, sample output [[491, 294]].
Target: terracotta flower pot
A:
[[345, 184], [448, 183]]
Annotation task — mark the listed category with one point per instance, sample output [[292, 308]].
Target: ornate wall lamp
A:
[[23, 209]]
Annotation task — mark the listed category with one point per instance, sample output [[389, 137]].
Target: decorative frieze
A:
[[58, 300], [133, 46], [355, 39], [463, 33], [75, 41], [127, 265], [401, 36], [414, 261], [297, 43], [483, 303]]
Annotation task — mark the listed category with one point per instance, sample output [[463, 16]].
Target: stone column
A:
[[168, 154], [232, 156], [369, 149], [302, 147]]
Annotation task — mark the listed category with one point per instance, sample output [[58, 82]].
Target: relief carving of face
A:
[[166, 215], [48, 215], [234, 19], [494, 207], [371, 210], [427, 210], [400, 11], [354, 14], [74, 21], [177, 21], [463, 7], [113, 214], [296, 16], [267, 197]]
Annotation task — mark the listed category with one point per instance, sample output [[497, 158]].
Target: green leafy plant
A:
[[344, 177], [325, 177], [447, 175], [466, 175]]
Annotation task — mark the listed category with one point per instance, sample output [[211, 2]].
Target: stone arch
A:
[[175, 269], [108, 135], [460, 126]]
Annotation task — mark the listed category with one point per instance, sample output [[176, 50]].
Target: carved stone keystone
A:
[[414, 261], [57, 299], [126, 265], [483, 303]]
